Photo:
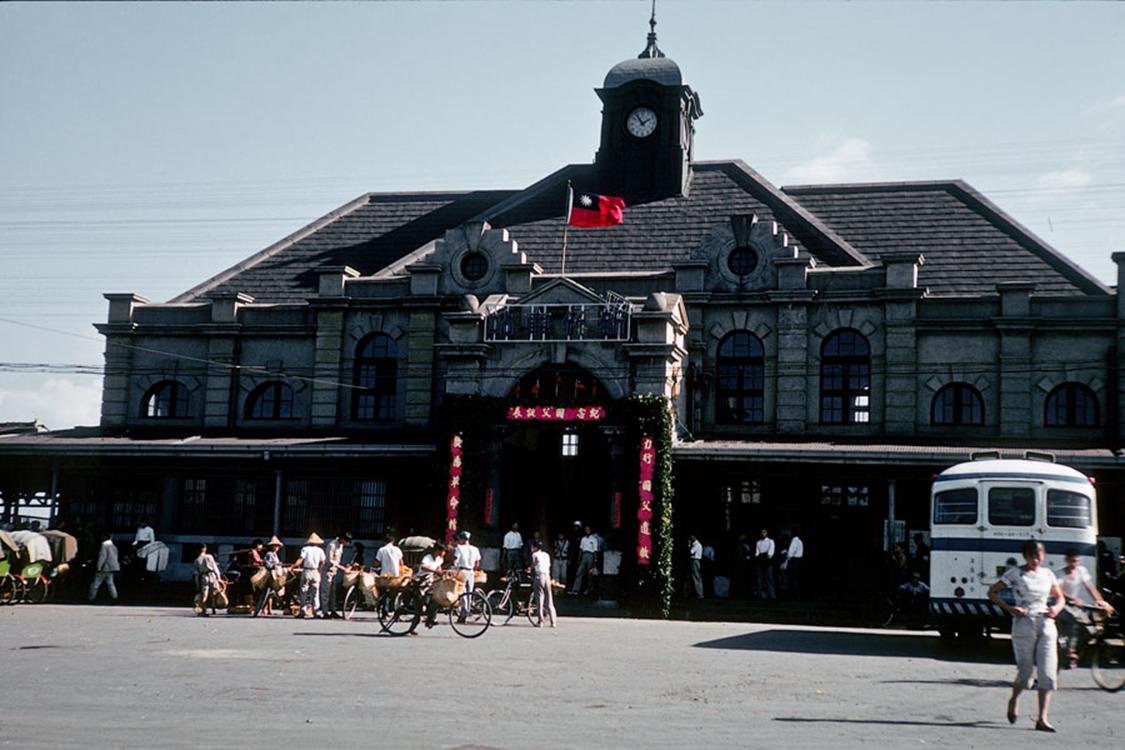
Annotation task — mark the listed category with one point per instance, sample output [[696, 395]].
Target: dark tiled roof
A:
[[654, 235], [969, 244], [371, 232]]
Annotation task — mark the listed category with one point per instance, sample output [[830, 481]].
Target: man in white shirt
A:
[[466, 559], [513, 550], [695, 560], [794, 559], [763, 560], [309, 563], [106, 568], [389, 557], [145, 534], [333, 564], [588, 557], [541, 581]]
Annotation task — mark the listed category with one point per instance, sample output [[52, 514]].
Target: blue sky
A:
[[145, 147]]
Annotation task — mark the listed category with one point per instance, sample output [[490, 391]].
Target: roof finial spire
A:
[[651, 50]]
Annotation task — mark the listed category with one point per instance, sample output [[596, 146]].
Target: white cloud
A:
[[1107, 105], [58, 403], [849, 161], [1064, 179]]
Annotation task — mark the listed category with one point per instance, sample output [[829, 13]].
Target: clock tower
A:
[[648, 123]]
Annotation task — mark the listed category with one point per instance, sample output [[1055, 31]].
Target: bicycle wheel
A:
[[400, 612], [532, 610], [1108, 665], [353, 602], [471, 616], [503, 608]]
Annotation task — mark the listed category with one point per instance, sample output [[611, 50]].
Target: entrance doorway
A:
[[554, 475]]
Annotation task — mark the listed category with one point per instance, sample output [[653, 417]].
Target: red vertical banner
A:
[[644, 507], [453, 500], [615, 515], [488, 508]]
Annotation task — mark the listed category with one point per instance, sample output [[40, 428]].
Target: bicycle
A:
[[280, 592], [361, 597], [400, 610], [512, 600], [1106, 645]]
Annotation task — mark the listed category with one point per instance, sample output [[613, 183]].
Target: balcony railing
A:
[[607, 321]]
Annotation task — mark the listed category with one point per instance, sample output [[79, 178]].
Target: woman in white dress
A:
[[1034, 635]]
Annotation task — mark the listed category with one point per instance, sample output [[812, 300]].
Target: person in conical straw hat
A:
[[310, 563], [272, 562]]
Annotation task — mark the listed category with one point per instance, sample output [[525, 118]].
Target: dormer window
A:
[[474, 266], [742, 261]]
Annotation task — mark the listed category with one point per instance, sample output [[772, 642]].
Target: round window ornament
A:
[[474, 266], [742, 261]]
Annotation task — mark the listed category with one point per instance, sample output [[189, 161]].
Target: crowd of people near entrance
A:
[[320, 567]]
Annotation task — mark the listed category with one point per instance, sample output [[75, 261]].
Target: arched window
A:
[[168, 399], [376, 371], [957, 404], [845, 379], [741, 367], [270, 401], [1072, 405]]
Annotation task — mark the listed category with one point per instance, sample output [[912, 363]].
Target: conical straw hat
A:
[[314, 538], [274, 542]]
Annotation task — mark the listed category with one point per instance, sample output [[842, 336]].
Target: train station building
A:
[[824, 349]]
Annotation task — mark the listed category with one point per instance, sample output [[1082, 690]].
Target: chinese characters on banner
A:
[[454, 499], [556, 414], [644, 509]]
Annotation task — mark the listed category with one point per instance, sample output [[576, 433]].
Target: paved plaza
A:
[[129, 677]]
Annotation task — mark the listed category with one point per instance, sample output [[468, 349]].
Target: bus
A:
[[982, 512]]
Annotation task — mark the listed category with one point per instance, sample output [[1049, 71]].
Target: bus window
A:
[[956, 506], [1011, 506], [1068, 509]]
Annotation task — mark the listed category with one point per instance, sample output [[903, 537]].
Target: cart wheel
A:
[[471, 616], [35, 591], [1108, 665], [9, 590], [503, 610], [400, 612]]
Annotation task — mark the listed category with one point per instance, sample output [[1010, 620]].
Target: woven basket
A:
[[260, 579], [480, 577], [391, 582], [350, 577], [446, 592]]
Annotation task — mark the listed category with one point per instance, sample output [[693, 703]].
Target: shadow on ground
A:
[[896, 722], [866, 644]]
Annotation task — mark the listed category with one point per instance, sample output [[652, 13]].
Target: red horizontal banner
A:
[[556, 413]]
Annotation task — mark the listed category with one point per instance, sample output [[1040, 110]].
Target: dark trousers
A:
[[765, 578], [793, 566]]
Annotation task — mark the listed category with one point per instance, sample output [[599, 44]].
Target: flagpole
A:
[[566, 222]]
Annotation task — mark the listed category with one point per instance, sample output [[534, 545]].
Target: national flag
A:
[[593, 210]]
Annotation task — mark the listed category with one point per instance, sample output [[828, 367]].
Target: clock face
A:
[[641, 122]]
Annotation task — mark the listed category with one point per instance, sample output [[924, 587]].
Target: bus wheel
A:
[[946, 631]]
